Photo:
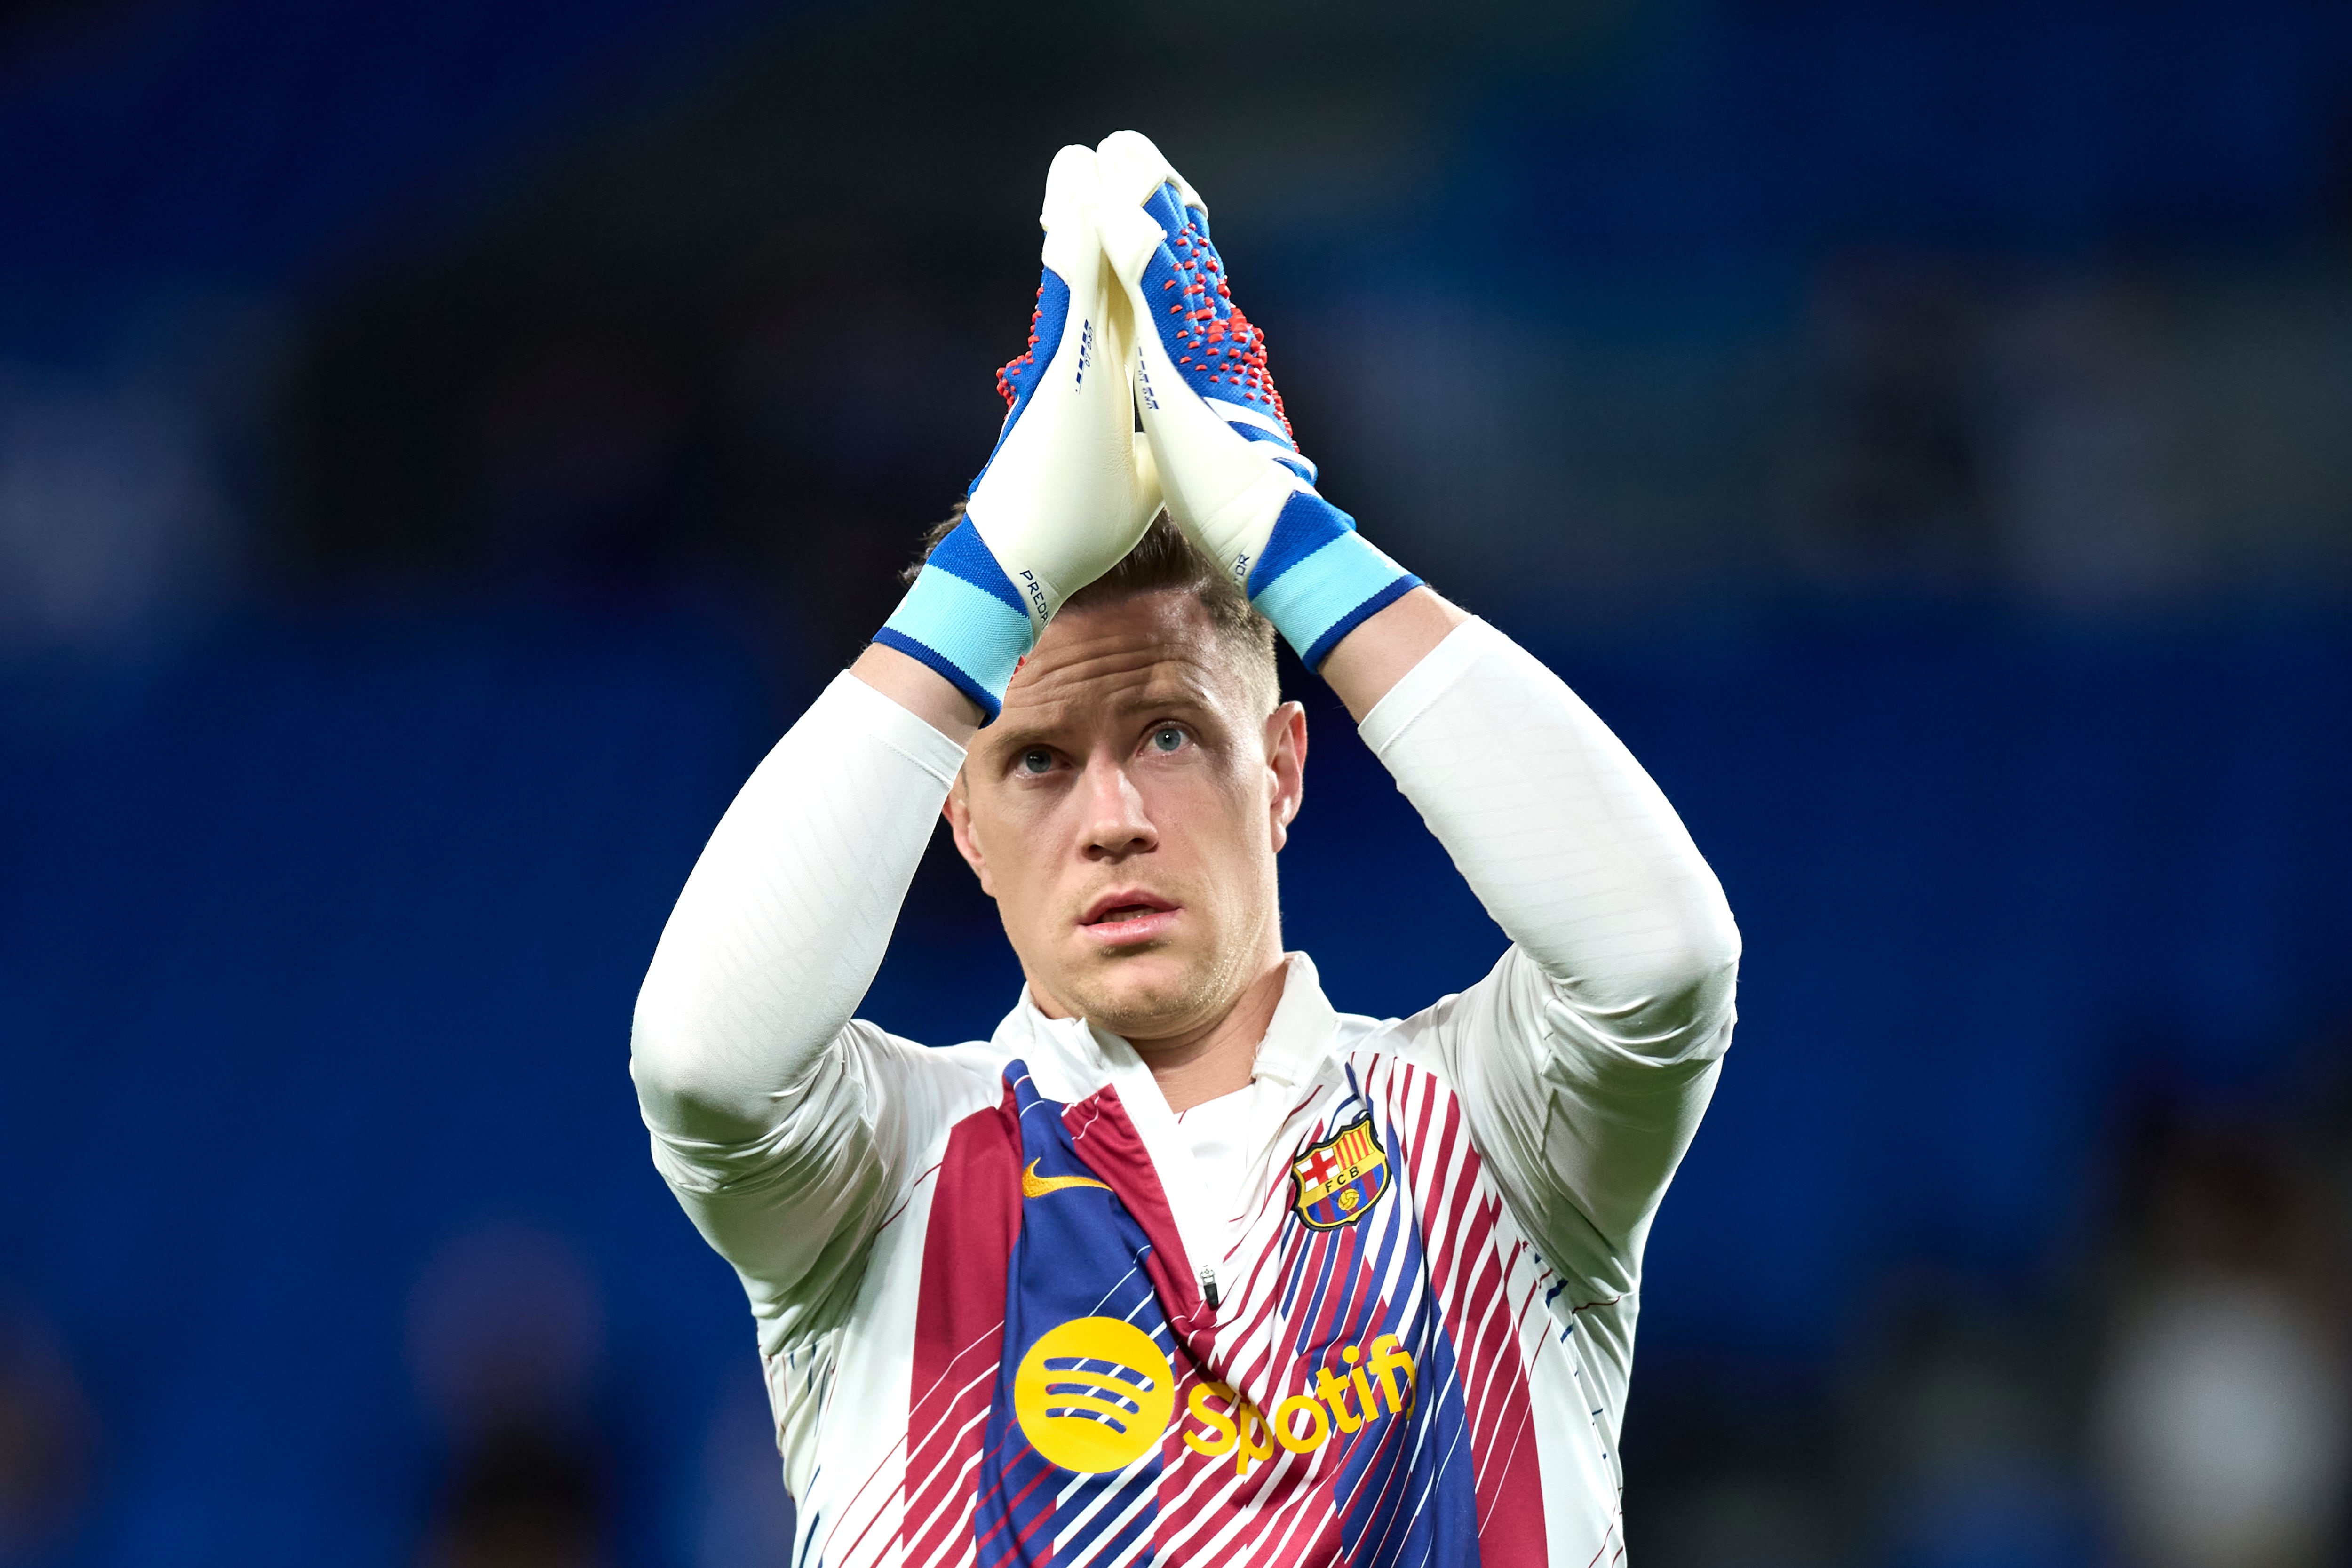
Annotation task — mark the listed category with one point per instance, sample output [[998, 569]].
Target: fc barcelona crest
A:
[[1337, 1181]]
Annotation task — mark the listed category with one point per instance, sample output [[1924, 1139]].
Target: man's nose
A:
[[1116, 825]]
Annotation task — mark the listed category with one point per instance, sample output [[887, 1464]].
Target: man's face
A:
[[1124, 811]]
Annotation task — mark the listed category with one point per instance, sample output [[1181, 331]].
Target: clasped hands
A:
[[1135, 324]]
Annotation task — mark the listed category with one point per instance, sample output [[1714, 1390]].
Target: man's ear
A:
[[957, 809], [1285, 759]]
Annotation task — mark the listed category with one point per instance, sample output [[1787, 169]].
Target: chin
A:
[[1144, 997]]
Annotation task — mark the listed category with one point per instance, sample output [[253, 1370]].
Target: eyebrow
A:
[[1183, 700]]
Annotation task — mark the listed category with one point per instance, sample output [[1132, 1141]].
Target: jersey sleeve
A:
[[1585, 1059], [783, 1127]]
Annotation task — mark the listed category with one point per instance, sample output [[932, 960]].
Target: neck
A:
[[1208, 1060], [1217, 1058]]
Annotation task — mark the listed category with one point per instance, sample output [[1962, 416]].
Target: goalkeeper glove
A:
[[1234, 479], [1069, 489]]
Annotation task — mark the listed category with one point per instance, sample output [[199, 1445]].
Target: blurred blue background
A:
[[442, 447]]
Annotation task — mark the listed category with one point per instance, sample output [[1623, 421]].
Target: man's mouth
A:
[[1128, 915]]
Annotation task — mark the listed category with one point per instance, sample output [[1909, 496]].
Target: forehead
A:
[[1099, 661]]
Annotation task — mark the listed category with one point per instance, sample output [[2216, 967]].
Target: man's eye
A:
[[1036, 760], [1167, 737]]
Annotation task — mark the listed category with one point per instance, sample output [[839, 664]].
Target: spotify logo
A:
[[1094, 1395]]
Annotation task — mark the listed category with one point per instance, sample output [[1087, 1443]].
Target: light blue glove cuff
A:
[[964, 618], [1319, 579]]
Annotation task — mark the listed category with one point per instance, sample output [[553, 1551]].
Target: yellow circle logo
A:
[[1094, 1395]]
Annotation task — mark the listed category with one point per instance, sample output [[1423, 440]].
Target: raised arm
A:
[[1588, 1056], [778, 1123], [784, 1127]]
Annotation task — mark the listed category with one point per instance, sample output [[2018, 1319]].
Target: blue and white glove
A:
[[1069, 489], [1235, 479]]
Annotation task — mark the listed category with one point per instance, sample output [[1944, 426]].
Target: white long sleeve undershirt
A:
[[785, 918], [1587, 1057]]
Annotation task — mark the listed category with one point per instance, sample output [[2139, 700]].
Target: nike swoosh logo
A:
[[1034, 1186]]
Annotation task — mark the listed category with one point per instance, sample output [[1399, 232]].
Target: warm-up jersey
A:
[[1376, 1307]]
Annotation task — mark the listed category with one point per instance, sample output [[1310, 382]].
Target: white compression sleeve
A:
[[784, 923], [1590, 1052]]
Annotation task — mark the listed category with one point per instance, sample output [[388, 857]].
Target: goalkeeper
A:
[[1182, 1264]]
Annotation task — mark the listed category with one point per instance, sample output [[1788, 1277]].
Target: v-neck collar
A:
[[1299, 1037], [1071, 1059]]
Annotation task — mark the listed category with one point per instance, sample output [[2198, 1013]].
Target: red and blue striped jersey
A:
[[1381, 1330]]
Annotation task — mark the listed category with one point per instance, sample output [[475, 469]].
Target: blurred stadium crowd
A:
[[440, 449]]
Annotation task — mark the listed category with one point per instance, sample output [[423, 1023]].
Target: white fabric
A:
[[799, 1142], [1586, 1077]]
